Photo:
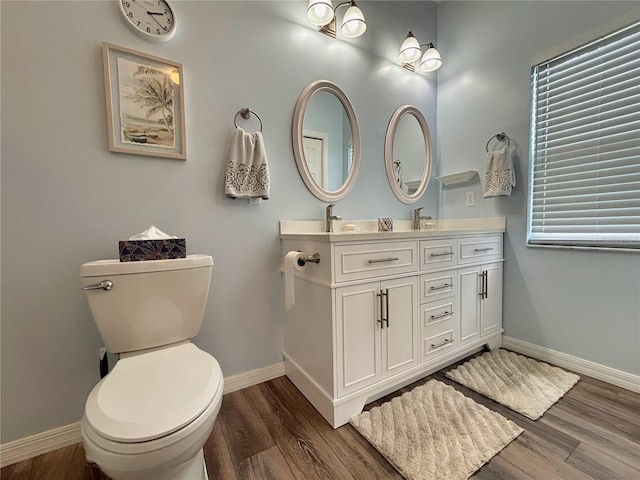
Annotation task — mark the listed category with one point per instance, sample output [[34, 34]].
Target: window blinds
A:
[[585, 144]]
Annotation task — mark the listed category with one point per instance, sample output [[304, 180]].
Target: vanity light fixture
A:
[[410, 52], [322, 14]]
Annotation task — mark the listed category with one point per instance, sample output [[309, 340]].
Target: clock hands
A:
[[153, 15]]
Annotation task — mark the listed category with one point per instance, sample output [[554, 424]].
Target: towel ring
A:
[[500, 136], [246, 113]]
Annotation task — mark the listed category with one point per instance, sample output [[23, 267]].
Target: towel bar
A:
[[500, 136]]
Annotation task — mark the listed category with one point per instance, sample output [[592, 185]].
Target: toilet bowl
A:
[[150, 417]]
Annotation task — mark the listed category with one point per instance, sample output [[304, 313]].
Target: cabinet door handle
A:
[[382, 260], [488, 249], [440, 254], [446, 285], [435, 317], [447, 341], [381, 319], [386, 294], [486, 284], [483, 285]]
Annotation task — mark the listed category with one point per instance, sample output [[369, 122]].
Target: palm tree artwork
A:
[[146, 105]]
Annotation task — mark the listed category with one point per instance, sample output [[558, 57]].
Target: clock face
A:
[[153, 19]]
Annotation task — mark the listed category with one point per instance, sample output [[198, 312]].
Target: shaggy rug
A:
[[434, 432], [525, 385]]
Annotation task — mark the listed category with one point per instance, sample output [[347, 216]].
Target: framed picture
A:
[[145, 103]]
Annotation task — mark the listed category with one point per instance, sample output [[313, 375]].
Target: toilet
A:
[[151, 415]]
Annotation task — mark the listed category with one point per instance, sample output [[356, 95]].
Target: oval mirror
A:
[[407, 154], [326, 140]]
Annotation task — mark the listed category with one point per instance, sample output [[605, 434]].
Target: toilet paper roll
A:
[[290, 266]]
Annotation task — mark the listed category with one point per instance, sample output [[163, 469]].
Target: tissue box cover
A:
[[138, 250]]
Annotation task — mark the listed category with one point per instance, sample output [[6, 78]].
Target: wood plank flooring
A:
[[269, 431]]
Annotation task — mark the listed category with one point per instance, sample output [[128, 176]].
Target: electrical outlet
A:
[[470, 199]]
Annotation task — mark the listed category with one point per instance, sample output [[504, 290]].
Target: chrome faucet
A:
[[417, 218], [329, 216]]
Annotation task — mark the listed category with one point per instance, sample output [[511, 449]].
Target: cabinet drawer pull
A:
[[382, 260], [446, 285], [440, 254], [488, 249], [445, 314], [442, 344], [381, 319]]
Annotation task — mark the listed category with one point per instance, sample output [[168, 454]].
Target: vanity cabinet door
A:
[[480, 301], [491, 315], [400, 332], [358, 339]]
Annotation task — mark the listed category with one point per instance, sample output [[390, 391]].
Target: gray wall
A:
[[67, 200], [583, 303]]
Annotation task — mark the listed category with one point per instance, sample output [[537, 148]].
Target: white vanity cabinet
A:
[[382, 310]]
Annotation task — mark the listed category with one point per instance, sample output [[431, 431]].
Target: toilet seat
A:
[[150, 397]]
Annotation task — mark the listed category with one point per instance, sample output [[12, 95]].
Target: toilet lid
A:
[[151, 395]]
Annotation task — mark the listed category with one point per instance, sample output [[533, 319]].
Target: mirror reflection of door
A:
[[409, 150], [316, 150], [326, 115]]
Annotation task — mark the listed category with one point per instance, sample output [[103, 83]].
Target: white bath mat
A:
[[435, 433], [525, 385]]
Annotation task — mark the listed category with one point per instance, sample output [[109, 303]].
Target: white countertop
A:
[[368, 229]]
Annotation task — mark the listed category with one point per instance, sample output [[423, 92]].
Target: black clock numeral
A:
[[169, 21], [130, 14], [126, 4], [158, 32], [148, 29]]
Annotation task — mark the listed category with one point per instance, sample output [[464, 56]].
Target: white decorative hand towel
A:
[[499, 177], [247, 174]]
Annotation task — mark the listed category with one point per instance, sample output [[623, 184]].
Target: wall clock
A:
[[151, 19]]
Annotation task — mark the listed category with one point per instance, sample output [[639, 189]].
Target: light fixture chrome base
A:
[[409, 66], [329, 29]]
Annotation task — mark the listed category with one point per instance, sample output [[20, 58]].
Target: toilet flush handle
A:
[[103, 285]]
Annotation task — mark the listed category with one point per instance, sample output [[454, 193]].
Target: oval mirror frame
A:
[[388, 153], [298, 148]]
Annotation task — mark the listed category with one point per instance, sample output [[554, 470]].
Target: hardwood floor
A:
[[270, 431]]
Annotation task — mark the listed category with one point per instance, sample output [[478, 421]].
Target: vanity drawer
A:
[[438, 253], [439, 285], [354, 262], [437, 344], [479, 249], [439, 313]]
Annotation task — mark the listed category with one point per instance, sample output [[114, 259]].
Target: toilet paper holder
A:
[[314, 258]]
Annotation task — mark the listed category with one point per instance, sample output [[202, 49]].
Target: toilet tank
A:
[[150, 303]]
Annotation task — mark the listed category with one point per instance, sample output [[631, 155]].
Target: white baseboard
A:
[[252, 377], [34, 445], [585, 367]]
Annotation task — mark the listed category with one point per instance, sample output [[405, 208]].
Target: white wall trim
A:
[[34, 445], [585, 367], [252, 377]]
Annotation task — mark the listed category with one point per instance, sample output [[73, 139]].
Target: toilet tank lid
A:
[[100, 268]]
